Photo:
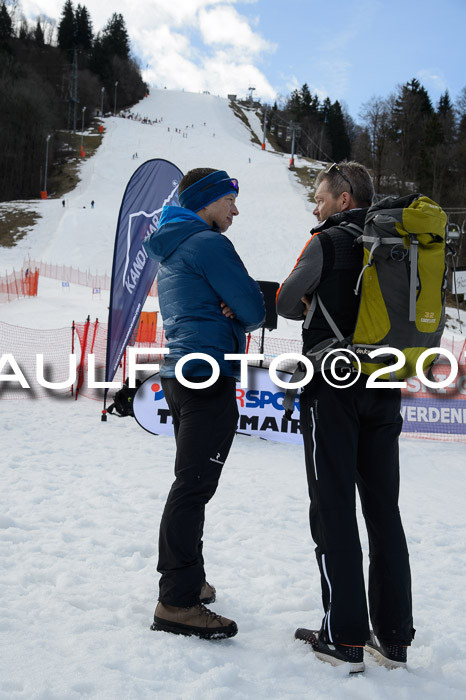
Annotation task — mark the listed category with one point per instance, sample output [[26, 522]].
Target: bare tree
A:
[[49, 27], [461, 102], [376, 117]]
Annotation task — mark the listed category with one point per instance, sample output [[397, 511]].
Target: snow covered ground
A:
[[81, 500]]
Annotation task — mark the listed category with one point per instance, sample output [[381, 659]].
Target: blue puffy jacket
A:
[[198, 269]]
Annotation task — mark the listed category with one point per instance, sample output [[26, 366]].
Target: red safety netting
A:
[[72, 275], [23, 345], [19, 284], [93, 339]]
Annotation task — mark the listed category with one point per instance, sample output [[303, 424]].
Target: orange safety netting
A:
[[93, 340], [147, 328], [19, 284], [24, 344], [66, 273]]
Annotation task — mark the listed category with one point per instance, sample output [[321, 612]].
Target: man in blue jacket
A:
[[208, 302]]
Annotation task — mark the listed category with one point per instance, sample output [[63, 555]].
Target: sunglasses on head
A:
[[232, 180], [341, 173]]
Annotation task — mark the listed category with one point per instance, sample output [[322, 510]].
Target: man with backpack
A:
[[350, 434], [208, 302]]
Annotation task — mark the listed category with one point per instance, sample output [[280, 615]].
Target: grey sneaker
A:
[[196, 620], [387, 654], [208, 594], [335, 654]]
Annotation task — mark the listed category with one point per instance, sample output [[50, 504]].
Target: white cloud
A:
[[235, 76], [291, 82], [223, 25], [174, 13], [186, 44], [175, 65], [432, 79]]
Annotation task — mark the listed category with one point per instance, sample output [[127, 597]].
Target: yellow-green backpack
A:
[[401, 286]]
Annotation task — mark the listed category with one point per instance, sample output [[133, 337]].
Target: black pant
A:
[[351, 439], [205, 422]]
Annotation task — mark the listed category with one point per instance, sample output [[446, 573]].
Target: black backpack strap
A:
[[413, 258], [311, 311], [317, 300], [354, 229], [317, 353], [357, 232]]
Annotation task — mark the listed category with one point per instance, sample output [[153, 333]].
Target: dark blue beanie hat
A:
[[208, 190]]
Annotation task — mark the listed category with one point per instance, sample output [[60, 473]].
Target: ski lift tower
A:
[[250, 97], [292, 132], [73, 93]]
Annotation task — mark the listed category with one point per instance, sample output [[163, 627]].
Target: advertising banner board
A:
[[260, 408], [424, 410]]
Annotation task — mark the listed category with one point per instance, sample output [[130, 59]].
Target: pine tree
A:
[[100, 61], [306, 99], [39, 34], [24, 33], [337, 133], [67, 28], [6, 24], [294, 105], [443, 156], [84, 33], [411, 113], [115, 39], [325, 109]]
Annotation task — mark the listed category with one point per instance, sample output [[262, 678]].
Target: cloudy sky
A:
[[350, 50]]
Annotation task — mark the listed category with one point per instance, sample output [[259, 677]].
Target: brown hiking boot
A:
[[207, 594], [196, 620]]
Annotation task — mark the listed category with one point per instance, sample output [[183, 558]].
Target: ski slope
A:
[[81, 500], [197, 131]]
